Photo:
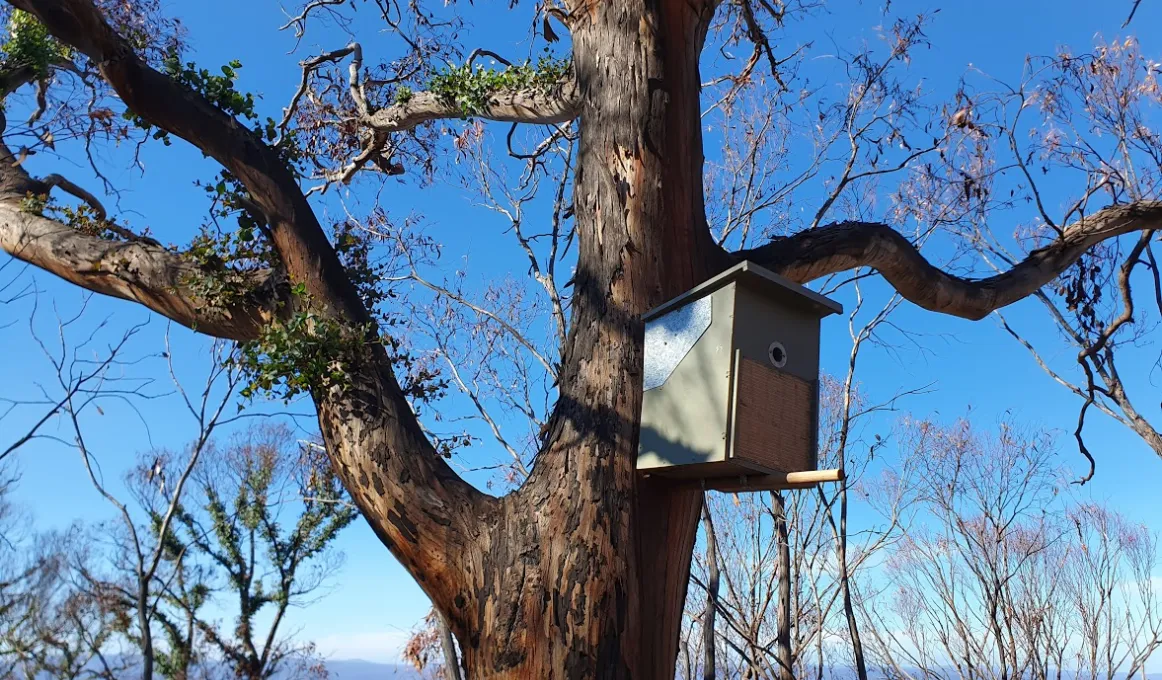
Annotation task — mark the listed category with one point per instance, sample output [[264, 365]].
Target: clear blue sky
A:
[[374, 602]]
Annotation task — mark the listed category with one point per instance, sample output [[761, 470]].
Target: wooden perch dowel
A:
[[785, 480], [811, 477]]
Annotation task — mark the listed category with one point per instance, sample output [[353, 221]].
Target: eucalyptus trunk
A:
[[583, 572]]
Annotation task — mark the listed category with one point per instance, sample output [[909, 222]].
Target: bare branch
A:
[[813, 254], [55, 180], [142, 272], [508, 328], [310, 66], [171, 106], [299, 22], [1133, 11]]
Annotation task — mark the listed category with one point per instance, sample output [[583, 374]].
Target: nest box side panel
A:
[[774, 413], [687, 386]]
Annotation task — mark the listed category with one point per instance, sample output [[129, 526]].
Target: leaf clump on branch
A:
[[469, 88], [29, 44]]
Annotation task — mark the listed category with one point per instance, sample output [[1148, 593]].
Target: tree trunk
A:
[[143, 617], [782, 534], [709, 664], [845, 584], [582, 573], [451, 661]]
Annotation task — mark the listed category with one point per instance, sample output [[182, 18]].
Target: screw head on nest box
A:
[[732, 380]]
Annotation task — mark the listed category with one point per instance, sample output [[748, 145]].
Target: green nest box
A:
[[731, 380]]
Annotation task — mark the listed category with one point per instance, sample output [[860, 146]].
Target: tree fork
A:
[[583, 572], [644, 239]]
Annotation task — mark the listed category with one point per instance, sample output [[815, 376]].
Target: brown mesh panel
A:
[[774, 418]]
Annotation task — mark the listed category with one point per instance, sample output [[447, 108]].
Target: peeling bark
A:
[[141, 272], [586, 548]]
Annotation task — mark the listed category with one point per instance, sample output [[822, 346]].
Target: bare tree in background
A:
[[143, 550], [1008, 576], [788, 596], [1089, 117], [49, 624], [262, 523]]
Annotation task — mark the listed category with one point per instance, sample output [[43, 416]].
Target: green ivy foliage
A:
[[82, 217], [225, 262], [34, 204], [218, 89], [305, 352], [403, 94], [470, 89], [29, 44], [223, 93], [311, 351]]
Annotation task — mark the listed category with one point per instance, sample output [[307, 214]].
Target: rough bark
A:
[[559, 590], [812, 254], [132, 270], [554, 106], [422, 511]]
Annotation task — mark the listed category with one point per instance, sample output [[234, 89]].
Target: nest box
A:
[[731, 383]]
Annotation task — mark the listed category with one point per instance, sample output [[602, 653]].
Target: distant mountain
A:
[[341, 669], [367, 670]]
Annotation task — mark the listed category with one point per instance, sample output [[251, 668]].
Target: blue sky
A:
[[373, 602]]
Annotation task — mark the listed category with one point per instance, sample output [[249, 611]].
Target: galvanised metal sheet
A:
[[670, 337]]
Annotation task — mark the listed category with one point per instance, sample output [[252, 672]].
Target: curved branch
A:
[[138, 271], [161, 101], [55, 180], [410, 496], [309, 66], [816, 253], [1133, 11], [300, 22], [558, 105]]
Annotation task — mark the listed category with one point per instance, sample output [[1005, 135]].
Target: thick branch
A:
[[137, 271], [413, 500], [518, 106], [815, 253], [161, 101]]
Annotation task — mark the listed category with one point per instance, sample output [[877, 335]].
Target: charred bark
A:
[[585, 548]]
